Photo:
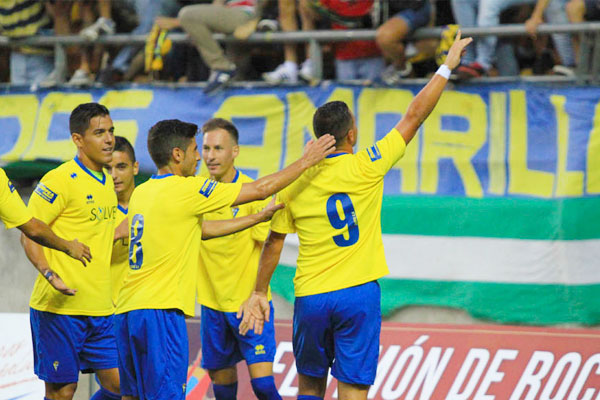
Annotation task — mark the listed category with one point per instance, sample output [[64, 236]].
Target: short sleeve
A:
[[49, 198], [211, 195], [378, 159], [282, 221], [13, 211], [260, 231]]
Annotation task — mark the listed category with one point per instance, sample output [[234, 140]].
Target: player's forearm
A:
[[215, 229], [421, 107], [122, 231], [269, 259], [267, 186], [35, 254], [41, 233]]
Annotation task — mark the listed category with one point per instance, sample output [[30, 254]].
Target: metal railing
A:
[[588, 65]]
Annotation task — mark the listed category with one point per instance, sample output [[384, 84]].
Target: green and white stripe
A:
[[508, 260]]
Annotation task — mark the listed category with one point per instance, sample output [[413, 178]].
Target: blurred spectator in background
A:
[[582, 10], [288, 71], [489, 15], [64, 14], [20, 19], [409, 16], [202, 20], [147, 11]]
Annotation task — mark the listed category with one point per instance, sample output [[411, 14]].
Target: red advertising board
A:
[[453, 362]]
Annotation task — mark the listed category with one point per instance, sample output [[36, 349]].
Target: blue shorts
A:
[[340, 330], [63, 345], [416, 17], [223, 346], [153, 353]]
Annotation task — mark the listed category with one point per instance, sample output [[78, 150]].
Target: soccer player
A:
[[228, 268], [335, 208], [75, 333], [14, 213], [123, 168], [165, 217]]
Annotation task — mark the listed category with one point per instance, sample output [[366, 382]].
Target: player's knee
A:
[[104, 394], [264, 388], [59, 391], [225, 392]]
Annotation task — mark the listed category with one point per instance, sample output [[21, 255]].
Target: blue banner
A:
[[506, 140]]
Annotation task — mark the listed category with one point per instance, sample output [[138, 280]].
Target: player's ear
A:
[[177, 154], [236, 151], [136, 168], [351, 136], [77, 138]]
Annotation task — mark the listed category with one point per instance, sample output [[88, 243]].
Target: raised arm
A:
[[35, 254], [267, 186], [41, 233], [425, 101], [255, 311], [215, 229]]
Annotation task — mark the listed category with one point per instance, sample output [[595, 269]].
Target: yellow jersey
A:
[[229, 264], [13, 211], [76, 205], [335, 207], [119, 262], [165, 219]]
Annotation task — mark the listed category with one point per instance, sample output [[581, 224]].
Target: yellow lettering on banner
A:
[[377, 101], [24, 107], [593, 156], [53, 103], [135, 99], [568, 183], [497, 143], [301, 111], [461, 147], [265, 158], [522, 179]]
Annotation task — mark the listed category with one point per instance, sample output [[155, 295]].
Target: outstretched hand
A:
[[270, 209], [57, 283], [315, 151], [254, 312], [456, 51], [79, 251]]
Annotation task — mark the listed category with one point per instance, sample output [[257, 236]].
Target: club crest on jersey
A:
[[235, 211], [74, 175], [55, 365], [374, 153], [45, 193], [89, 199], [259, 349], [11, 187], [207, 188]]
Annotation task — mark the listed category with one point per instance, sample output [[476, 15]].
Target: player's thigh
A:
[[313, 335], [357, 326], [153, 345], [57, 342], [347, 391], [109, 379], [99, 350], [260, 370], [255, 348], [60, 391], [311, 385], [219, 344]]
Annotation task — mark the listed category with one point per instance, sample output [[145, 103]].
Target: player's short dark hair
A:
[[220, 123], [167, 135], [79, 121], [122, 144], [334, 118]]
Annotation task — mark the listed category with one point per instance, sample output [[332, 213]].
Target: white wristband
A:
[[444, 71]]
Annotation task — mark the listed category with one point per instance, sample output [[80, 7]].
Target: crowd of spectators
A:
[[388, 59]]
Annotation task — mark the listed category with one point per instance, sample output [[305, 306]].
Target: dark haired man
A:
[[228, 267], [336, 209], [165, 218], [123, 168], [75, 332]]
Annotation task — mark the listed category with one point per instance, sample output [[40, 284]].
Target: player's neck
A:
[[344, 148], [124, 196], [88, 162], [227, 177]]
